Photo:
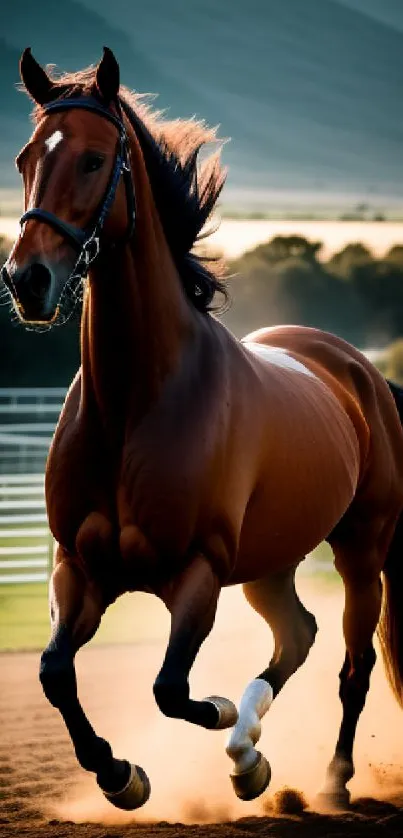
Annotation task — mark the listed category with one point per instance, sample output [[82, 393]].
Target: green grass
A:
[[24, 621], [23, 616], [320, 566], [17, 541], [24, 613]]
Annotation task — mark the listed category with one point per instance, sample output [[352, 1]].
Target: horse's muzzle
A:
[[32, 289]]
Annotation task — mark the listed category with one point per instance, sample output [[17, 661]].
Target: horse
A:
[[185, 460]]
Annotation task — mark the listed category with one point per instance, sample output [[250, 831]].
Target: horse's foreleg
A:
[[192, 601], [361, 615], [76, 610], [294, 629]]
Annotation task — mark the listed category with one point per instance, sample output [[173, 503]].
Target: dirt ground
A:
[[44, 793]]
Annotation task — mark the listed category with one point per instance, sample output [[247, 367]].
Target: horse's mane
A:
[[185, 193]]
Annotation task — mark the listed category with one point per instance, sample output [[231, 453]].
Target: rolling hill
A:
[[310, 92]]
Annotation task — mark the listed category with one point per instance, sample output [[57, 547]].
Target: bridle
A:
[[88, 240]]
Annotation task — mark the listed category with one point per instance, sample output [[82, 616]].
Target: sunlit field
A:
[[24, 619], [234, 236]]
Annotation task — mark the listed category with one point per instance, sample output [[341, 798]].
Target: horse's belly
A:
[[309, 479]]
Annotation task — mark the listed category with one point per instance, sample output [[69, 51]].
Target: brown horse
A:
[[185, 460]]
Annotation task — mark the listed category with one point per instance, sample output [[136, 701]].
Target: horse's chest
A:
[[163, 500], [124, 522], [78, 481]]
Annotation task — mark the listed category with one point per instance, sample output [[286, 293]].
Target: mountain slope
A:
[[310, 93]]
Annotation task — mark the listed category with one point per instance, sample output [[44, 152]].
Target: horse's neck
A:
[[135, 324]]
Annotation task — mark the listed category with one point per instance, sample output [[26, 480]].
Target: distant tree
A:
[[309, 294], [344, 262], [379, 286], [390, 362], [395, 255], [280, 248], [282, 281]]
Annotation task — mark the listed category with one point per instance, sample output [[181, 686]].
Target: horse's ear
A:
[[107, 77], [37, 82]]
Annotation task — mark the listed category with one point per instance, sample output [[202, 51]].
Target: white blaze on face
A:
[[278, 356], [53, 140]]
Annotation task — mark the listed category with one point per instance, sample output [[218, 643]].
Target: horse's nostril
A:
[[38, 278]]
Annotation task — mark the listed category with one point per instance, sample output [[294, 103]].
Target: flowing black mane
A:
[[185, 193], [183, 206]]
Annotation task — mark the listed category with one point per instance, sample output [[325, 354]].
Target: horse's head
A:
[[74, 191], [79, 191]]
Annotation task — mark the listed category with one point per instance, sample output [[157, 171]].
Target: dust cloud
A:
[[188, 766]]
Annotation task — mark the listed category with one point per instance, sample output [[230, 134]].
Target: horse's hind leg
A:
[[294, 630], [363, 596], [76, 611]]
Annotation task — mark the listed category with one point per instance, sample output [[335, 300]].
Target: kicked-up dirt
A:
[[44, 793]]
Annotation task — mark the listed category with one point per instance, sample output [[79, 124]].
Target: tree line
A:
[[353, 294]]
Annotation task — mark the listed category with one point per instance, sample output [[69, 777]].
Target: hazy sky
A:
[[309, 91]]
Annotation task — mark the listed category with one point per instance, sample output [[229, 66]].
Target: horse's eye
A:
[[92, 162]]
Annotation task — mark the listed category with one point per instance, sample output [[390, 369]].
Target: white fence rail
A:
[[27, 420], [28, 416], [25, 549]]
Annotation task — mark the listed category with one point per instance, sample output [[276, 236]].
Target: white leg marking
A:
[[255, 702]]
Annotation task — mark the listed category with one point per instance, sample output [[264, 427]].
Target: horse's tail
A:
[[390, 628]]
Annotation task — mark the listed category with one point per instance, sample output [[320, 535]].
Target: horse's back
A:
[[359, 387], [336, 445]]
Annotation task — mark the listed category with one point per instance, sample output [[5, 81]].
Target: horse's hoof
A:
[[134, 794], [252, 783], [337, 800], [227, 712]]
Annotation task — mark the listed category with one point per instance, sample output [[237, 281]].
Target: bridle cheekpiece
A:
[[88, 241]]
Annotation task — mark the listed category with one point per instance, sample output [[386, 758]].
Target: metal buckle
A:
[[90, 250], [124, 156]]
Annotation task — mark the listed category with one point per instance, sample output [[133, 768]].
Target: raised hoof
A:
[[134, 794], [336, 801], [252, 783], [227, 712]]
